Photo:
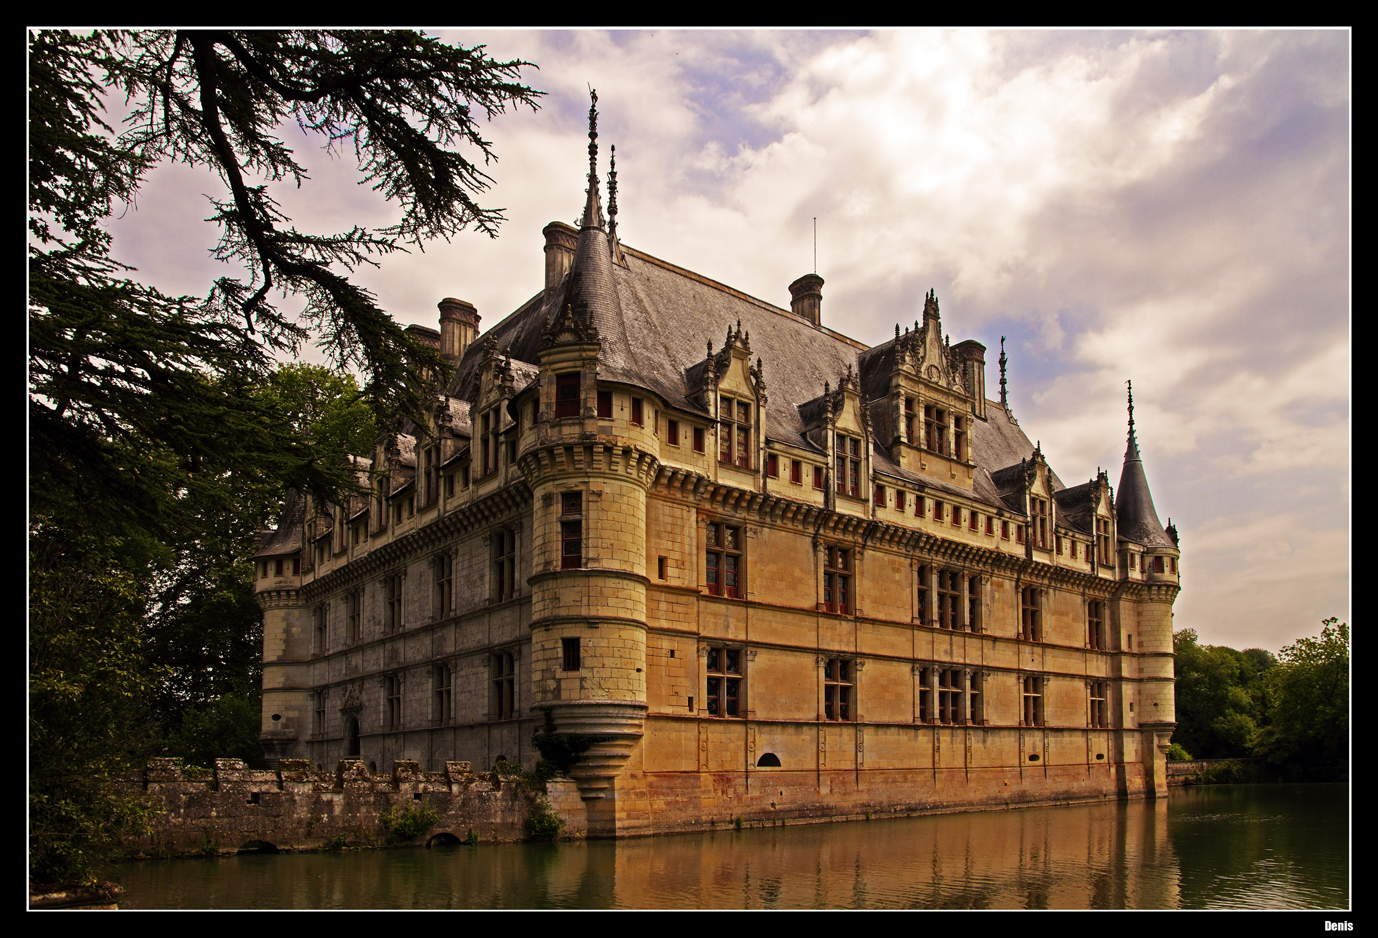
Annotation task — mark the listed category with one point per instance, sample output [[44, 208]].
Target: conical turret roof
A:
[[1137, 519]]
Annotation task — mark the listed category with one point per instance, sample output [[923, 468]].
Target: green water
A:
[[1226, 847]]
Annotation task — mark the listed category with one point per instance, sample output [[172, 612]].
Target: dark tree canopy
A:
[[160, 438], [114, 362]]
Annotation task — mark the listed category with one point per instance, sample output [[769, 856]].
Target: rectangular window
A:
[[818, 477], [956, 516], [450, 485], [950, 696], [1030, 615], [1004, 530], [672, 432], [974, 604], [935, 429], [899, 500], [277, 567], [1157, 564], [571, 530], [1103, 555], [949, 600], [723, 568], [486, 444], [725, 682], [318, 717], [569, 654], [959, 438], [796, 472], [444, 585], [321, 627], [837, 689], [837, 580], [920, 506], [638, 416], [504, 564], [990, 525], [503, 700], [1095, 625], [1019, 534], [1173, 562], [1057, 544], [431, 459], [734, 432], [975, 701], [880, 496], [604, 405], [442, 679], [392, 699], [661, 569], [354, 615], [973, 521], [392, 586], [773, 466], [1133, 561], [925, 696], [567, 395], [921, 605], [938, 514], [847, 451], [698, 439], [909, 421], [1074, 550], [1099, 713], [1031, 693]]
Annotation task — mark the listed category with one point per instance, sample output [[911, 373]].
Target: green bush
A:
[[542, 821], [411, 821], [1176, 753]]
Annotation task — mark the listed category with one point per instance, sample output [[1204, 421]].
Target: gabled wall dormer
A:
[[490, 416], [932, 402], [840, 425], [733, 392]]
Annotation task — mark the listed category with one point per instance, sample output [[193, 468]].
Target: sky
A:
[[1171, 208]]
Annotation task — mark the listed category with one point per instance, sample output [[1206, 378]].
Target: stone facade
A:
[[786, 576]]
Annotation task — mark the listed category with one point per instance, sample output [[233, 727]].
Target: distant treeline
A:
[[1289, 712]]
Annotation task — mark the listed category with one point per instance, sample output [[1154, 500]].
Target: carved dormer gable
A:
[[569, 328], [733, 391], [930, 354]]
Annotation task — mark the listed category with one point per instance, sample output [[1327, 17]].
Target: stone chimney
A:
[[560, 241], [971, 358], [458, 328], [806, 299]]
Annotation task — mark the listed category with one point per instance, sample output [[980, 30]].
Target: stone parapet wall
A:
[[300, 806]]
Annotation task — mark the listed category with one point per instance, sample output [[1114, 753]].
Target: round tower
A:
[[589, 474]]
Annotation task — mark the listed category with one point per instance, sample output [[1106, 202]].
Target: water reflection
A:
[[1239, 847]]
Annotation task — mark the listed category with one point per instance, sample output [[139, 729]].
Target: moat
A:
[[1224, 847]]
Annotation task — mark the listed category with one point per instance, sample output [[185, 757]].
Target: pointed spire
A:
[[614, 248], [593, 209], [1137, 518], [1004, 398], [1132, 450]]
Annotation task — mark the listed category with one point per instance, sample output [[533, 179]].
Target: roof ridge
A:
[[733, 291]]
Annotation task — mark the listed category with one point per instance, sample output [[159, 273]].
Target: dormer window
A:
[[935, 429], [848, 465], [734, 440]]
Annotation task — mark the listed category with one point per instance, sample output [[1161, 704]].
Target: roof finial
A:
[[1004, 398], [615, 248], [593, 210], [1132, 451]]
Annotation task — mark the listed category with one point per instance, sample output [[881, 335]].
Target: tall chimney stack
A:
[[458, 328], [806, 298], [560, 241]]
